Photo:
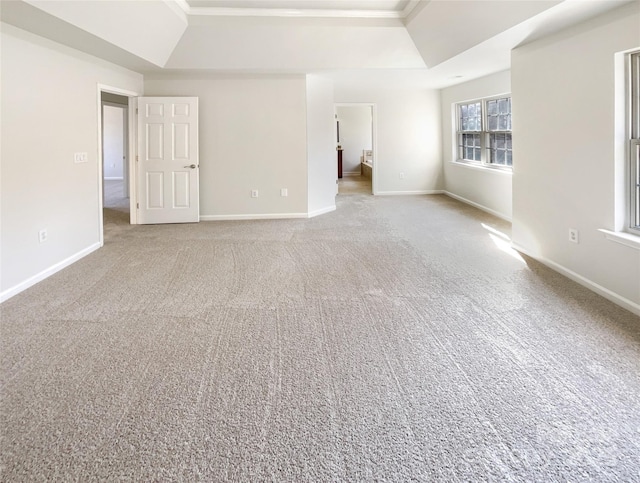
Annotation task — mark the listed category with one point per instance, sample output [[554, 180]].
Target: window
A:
[[634, 145], [484, 132], [469, 131]]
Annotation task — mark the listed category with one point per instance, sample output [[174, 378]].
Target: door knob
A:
[[192, 166]]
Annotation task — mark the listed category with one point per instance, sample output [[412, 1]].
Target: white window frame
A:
[[484, 133], [634, 143]]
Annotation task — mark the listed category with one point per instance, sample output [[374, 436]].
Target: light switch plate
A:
[[80, 158]]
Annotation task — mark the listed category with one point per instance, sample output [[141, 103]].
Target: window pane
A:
[[500, 149], [478, 154], [468, 153], [503, 106], [492, 108], [470, 117], [499, 114]]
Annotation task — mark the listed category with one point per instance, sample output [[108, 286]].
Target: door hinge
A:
[[136, 110], [136, 157], [138, 206]]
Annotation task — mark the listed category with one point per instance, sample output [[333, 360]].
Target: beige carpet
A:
[[396, 339]]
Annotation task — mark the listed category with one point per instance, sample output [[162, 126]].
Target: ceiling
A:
[[381, 43]]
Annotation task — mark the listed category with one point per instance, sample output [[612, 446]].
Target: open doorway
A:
[[115, 166], [355, 126]]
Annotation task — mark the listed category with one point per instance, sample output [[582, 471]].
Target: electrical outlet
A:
[[574, 235], [284, 192], [42, 236], [401, 175], [254, 193]]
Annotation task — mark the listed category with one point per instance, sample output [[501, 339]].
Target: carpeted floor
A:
[[396, 339]]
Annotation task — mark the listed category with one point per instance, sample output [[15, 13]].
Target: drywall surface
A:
[[565, 153], [149, 29], [50, 110], [262, 44], [439, 39], [407, 138], [484, 187], [321, 153], [252, 137], [113, 142], [356, 135]]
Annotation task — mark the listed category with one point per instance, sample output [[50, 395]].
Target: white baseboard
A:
[[15, 290], [113, 179], [402, 193], [267, 216], [257, 216], [479, 206], [585, 282], [351, 173], [321, 211]]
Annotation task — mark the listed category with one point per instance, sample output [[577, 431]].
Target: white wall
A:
[[321, 153], [355, 135], [50, 110], [113, 142], [488, 189], [565, 135], [252, 137], [407, 137]]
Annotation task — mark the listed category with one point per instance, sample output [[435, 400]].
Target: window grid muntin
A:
[[470, 117], [470, 144], [500, 147], [469, 131], [498, 114]]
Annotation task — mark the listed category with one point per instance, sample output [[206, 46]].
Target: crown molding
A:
[[294, 13]]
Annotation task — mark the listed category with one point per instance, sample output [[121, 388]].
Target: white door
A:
[[167, 161]]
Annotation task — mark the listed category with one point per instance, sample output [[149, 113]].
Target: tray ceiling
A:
[[356, 42]]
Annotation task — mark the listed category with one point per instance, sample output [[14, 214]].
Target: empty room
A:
[[320, 240]]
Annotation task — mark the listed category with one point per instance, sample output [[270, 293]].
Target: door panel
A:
[[155, 183], [181, 190], [155, 142], [181, 141], [168, 160]]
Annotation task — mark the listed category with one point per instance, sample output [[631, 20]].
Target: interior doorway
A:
[[355, 129], [115, 125], [115, 166]]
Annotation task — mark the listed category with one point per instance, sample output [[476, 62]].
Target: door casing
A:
[[131, 152]]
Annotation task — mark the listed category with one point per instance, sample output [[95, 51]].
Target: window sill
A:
[[626, 239], [482, 167]]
